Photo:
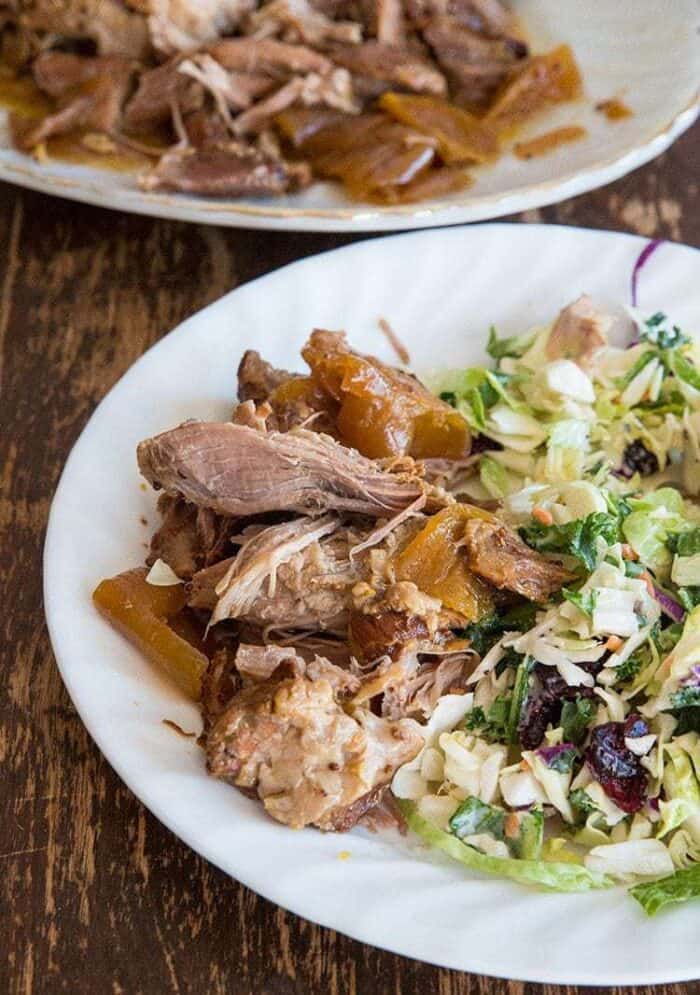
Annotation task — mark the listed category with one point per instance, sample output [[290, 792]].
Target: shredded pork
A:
[[497, 554], [235, 470], [309, 760], [211, 71], [322, 659]]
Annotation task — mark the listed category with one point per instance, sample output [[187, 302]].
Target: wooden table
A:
[[96, 897]]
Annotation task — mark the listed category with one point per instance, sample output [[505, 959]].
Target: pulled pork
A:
[[310, 761], [294, 575], [497, 554], [235, 470], [579, 333], [210, 77], [328, 590]]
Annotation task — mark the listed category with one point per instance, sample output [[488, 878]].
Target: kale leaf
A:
[[492, 725], [575, 717], [486, 633], [577, 538]]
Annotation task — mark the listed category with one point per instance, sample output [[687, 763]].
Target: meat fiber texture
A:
[[235, 470]]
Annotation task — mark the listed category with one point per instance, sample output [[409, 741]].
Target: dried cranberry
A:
[[639, 460], [543, 706], [483, 444], [635, 726], [617, 769], [537, 715]]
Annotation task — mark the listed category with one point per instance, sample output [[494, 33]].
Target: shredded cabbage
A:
[[557, 876], [584, 719]]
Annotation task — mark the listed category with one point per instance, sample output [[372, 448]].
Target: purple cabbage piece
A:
[[624, 472], [693, 678], [550, 753], [669, 605], [644, 255]]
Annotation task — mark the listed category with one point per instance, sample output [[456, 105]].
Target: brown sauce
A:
[[83, 149], [543, 144], [178, 729], [614, 109], [20, 95], [23, 98]]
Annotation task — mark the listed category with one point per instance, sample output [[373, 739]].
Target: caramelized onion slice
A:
[[382, 411], [149, 617], [436, 563], [461, 137], [544, 79]]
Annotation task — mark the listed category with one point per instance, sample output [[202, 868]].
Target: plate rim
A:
[[363, 218], [638, 976]]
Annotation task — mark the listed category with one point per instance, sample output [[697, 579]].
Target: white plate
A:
[[644, 51], [440, 291]]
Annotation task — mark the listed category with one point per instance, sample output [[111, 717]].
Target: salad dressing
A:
[[21, 95]]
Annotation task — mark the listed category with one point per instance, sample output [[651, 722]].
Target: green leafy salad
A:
[[573, 760]]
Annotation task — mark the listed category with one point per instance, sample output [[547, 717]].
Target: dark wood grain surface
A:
[[96, 897]]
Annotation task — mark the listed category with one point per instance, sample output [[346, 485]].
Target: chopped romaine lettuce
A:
[[686, 571], [647, 858], [514, 346], [682, 886], [677, 668], [685, 370], [652, 521], [494, 477], [567, 447], [555, 876], [585, 601], [527, 845], [681, 806]]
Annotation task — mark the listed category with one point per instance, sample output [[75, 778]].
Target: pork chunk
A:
[[189, 539], [259, 663], [579, 333], [235, 470], [308, 759], [112, 25], [497, 554], [257, 378], [229, 169], [294, 575]]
